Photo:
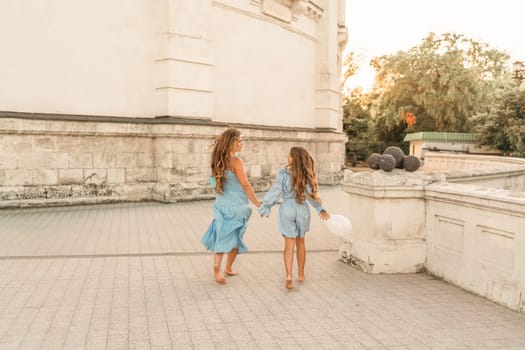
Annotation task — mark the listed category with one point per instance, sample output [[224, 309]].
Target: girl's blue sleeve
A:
[[317, 206], [273, 195]]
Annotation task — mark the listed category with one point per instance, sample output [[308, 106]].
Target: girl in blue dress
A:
[[231, 208], [297, 184]]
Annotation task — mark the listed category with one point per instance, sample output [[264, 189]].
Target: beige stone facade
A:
[[121, 100], [46, 161]]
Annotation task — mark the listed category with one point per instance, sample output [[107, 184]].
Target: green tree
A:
[[503, 125], [356, 124], [443, 82], [350, 67]]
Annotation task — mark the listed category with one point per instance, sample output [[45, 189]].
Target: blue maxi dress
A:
[[231, 212], [294, 218]]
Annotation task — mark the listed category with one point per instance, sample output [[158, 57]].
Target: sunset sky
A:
[[378, 27]]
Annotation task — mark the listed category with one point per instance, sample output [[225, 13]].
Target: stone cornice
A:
[[263, 17], [314, 11], [297, 8], [161, 126]]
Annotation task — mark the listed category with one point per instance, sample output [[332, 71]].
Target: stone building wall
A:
[[58, 161], [261, 62], [119, 100]]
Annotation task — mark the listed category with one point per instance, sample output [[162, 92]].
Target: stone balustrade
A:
[[490, 171], [462, 225], [475, 239]]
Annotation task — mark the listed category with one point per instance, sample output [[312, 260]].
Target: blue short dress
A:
[[231, 212], [294, 218]]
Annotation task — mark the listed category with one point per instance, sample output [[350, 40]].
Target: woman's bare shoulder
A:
[[236, 163], [236, 160]]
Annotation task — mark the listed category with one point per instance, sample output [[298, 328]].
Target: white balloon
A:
[[339, 225]]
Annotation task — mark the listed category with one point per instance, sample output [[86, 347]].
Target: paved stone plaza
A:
[[135, 276]]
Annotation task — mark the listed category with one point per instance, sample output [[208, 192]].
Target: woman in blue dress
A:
[[231, 208], [297, 184]]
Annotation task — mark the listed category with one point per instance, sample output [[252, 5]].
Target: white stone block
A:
[[165, 175], [8, 161], [126, 160], [57, 161], [43, 144], [140, 175], [164, 160], [45, 177], [116, 176], [105, 159], [255, 171], [80, 160], [33, 160], [18, 177], [144, 160], [186, 48], [346, 174], [190, 103], [70, 176], [92, 144], [188, 75], [69, 144]]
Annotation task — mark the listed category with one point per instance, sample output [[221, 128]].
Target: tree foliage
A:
[[356, 123], [443, 82], [447, 83], [503, 126], [350, 67]]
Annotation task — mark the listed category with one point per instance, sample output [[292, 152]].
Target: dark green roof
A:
[[441, 136]]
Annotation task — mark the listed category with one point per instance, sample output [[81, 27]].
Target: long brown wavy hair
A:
[[221, 156], [302, 171]]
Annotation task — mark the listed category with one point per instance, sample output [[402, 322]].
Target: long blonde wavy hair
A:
[[302, 171], [221, 156]]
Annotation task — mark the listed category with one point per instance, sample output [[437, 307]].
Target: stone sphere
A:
[[373, 161], [411, 163], [387, 162], [397, 153]]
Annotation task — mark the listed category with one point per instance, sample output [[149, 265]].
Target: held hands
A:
[[324, 215], [259, 207], [261, 213]]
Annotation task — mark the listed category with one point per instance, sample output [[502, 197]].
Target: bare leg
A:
[[230, 258], [219, 277], [301, 258], [289, 244]]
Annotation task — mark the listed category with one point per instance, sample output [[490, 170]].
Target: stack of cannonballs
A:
[[393, 157]]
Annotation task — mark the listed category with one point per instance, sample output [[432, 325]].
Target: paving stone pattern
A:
[[135, 276]]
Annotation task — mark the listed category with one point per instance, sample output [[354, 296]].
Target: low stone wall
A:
[[446, 162], [467, 234], [60, 160], [490, 171], [475, 239]]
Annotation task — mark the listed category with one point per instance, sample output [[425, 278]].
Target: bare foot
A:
[[218, 275], [230, 272], [300, 278], [289, 283]]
